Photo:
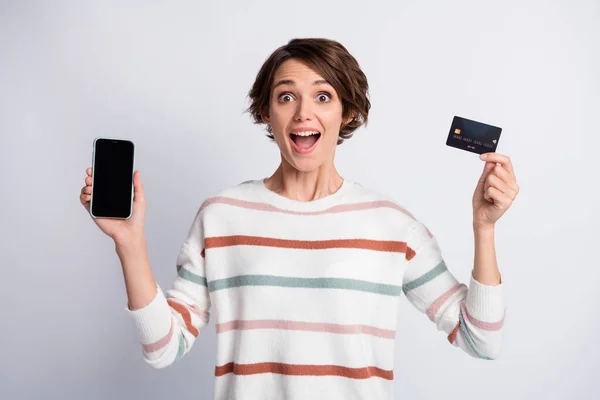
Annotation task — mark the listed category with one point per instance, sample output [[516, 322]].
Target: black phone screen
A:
[[112, 178]]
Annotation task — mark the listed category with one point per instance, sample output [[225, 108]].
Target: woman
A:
[[304, 268]]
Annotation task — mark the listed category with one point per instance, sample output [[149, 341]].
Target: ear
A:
[[348, 120], [264, 115]]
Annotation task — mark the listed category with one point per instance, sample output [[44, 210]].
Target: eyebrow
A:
[[291, 82]]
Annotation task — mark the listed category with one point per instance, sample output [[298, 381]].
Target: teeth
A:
[[306, 133]]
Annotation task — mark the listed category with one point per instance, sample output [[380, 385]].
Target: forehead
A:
[[296, 70]]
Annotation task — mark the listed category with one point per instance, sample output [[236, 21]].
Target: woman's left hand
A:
[[496, 190]]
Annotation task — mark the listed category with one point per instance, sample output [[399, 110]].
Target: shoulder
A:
[[399, 213], [368, 195], [211, 207], [232, 195], [240, 190]]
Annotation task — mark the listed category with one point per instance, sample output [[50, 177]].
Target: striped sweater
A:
[[305, 294]]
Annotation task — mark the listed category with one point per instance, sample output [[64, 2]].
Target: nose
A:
[[303, 110]]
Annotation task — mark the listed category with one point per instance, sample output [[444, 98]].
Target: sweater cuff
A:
[[153, 321], [485, 302]]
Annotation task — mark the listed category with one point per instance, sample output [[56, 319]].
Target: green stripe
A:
[[467, 335], [187, 275], [181, 349], [426, 277], [313, 283]]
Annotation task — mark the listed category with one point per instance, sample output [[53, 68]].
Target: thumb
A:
[[138, 187], [487, 168]]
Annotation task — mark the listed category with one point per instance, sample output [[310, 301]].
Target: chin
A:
[[305, 165]]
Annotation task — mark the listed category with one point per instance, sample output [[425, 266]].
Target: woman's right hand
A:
[[120, 230]]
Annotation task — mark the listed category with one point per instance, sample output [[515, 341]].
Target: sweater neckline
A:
[[279, 200]]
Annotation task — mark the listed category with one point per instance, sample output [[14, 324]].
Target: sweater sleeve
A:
[[472, 317], [168, 326]]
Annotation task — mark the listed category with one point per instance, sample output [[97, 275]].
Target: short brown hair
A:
[[332, 61]]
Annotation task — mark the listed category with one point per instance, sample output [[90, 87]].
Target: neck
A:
[[298, 185]]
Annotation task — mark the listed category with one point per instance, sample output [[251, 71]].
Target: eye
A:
[[324, 97], [285, 98]]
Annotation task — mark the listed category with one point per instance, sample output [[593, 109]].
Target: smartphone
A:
[[113, 164]]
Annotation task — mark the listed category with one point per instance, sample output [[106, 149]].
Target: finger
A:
[[487, 197], [506, 177], [85, 199], [500, 159], [495, 182], [86, 190], [487, 169], [88, 180], [138, 187], [497, 197], [483, 184], [88, 171]]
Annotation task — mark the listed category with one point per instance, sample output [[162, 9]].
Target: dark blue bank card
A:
[[473, 136]]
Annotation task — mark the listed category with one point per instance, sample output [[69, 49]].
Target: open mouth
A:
[[305, 142]]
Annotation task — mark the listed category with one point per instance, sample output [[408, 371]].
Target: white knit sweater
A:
[[305, 294]]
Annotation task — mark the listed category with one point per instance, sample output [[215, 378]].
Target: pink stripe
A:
[[201, 314], [435, 307], [305, 326], [332, 210], [486, 326], [149, 348]]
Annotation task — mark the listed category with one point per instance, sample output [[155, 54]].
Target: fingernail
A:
[[483, 156]]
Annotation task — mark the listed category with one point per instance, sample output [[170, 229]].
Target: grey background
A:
[[173, 76]]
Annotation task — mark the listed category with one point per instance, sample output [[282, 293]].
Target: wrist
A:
[[130, 244], [483, 229]]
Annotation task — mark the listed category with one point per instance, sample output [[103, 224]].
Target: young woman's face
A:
[[305, 114]]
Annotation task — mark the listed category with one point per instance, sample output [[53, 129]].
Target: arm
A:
[[485, 266], [472, 316], [139, 280], [167, 322]]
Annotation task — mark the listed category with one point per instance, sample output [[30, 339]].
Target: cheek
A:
[[280, 116], [332, 119]]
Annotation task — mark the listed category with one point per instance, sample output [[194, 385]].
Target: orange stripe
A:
[[452, 335], [295, 369], [185, 313], [377, 245]]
